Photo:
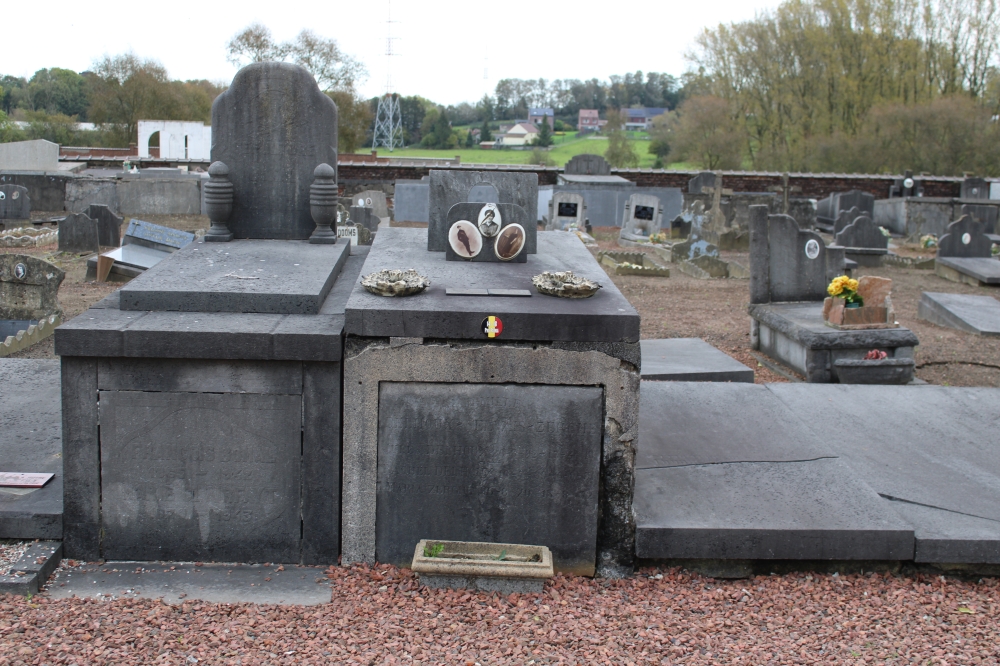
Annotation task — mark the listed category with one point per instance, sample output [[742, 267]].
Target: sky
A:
[[446, 52]]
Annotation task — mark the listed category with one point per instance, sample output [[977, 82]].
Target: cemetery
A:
[[445, 383]]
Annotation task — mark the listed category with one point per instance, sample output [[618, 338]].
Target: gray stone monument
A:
[[411, 200], [109, 225], [272, 128], [489, 232], [79, 233], [986, 215], [14, 203], [863, 241], [907, 186], [975, 188], [692, 248], [29, 287], [966, 238], [567, 210], [704, 179], [451, 187], [643, 217], [587, 165], [846, 217], [374, 199]]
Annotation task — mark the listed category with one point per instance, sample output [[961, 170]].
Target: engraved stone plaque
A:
[[189, 476], [489, 462]]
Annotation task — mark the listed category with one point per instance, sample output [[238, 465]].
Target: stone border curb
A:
[[24, 339], [33, 569]]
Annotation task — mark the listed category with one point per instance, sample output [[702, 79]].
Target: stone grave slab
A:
[[567, 209], [974, 314], [814, 510], [411, 201], [78, 233], [986, 215], [606, 316], [448, 188], [497, 463], [975, 188], [14, 203], [947, 537], [254, 276], [130, 260], [31, 441], [863, 241], [29, 287], [234, 497], [690, 360], [272, 127], [981, 270], [155, 236]]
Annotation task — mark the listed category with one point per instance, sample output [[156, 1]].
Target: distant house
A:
[[589, 121], [640, 119], [520, 134], [536, 116]]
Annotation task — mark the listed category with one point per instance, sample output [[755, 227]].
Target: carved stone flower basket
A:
[[877, 311], [490, 567]]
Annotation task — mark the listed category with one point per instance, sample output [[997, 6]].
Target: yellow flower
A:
[[835, 288], [852, 285]]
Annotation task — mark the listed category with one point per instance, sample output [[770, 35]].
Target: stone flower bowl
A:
[[565, 285], [395, 282]]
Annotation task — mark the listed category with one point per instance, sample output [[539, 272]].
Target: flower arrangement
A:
[[658, 238], [928, 241], [875, 355], [847, 289]]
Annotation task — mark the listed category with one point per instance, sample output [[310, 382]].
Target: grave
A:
[[567, 210], [35, 155], [411, 200], [515, 378], [78, 233], [587, 164], [905, 187], [448, 188], [965, 254], [828, 209], [642, 218], [143, 246], [913, 217], [979, 315], [790, 269], [218, 370], [15, 206], [863, 242], [375, 200], [719, 214], [689, 360], [29, 303], [109, 225], [975, 188]]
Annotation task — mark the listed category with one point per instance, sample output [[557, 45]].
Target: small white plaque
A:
[[966, 238], [348, 232], [812, 248], [23, 480]]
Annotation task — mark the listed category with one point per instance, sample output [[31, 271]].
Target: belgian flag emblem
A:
[[492, 327]]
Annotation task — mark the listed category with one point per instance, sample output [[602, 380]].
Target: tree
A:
[[354, 119], [60, 91], [544, 138], [126, 90], [484, 132], [703, 131], [660, 137], [11, 85], [620, 152], [437, 131], [470, 140]]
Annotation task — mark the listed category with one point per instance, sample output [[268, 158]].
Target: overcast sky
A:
[[444, 47]]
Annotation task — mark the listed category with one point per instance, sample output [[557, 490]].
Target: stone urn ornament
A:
[[218, 203], [323, 201]]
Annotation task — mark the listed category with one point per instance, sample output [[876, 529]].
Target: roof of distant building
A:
[[541, 112], [645, 113], [589, 112]]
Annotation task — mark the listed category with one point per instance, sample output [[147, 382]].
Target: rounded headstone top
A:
[[218, 169], [324, 170]]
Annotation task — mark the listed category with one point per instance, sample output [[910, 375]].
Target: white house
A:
[[520, 134], [179, 140]]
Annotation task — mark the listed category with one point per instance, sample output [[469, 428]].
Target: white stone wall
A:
[[172, 136]]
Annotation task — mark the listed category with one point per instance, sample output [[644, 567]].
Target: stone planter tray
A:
[[476, 565], [883, 371]]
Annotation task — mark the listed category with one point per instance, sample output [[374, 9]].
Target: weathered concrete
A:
[[36, 155], [690, 360], [29, 287], [974, 314]]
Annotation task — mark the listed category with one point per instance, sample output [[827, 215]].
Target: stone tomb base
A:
[[796, 335], [978, 272], [974, 314]]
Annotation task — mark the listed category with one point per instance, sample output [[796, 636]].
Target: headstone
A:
[[975, 188], [448, 188], [829, 209], [704, 179], [489, 232], [965, 239], [907, 186], [486, 462], [365, 217], [863, 201], [156, 236], [987, 215], [29, 287], [411, 201], [587, 165], [787, 263], [109, 225], [863, 233], [374, 199], [643, 217], [35, 155], [691, 248], [78, 233], [14, 203], [272, 128], [567, 210], [846, 217]]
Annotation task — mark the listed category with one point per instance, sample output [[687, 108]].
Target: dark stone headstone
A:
[[975, 188], [155, 236], [109, 225], [863, 201], [14, 203], [365, 217], [862, 232], [496, 463], [451, 187], [846, 217], [788, 263], [200, 475], [907, 186], [966, 238], [509, 214], [78, 233], [587, 165], [704, 179], [28, 287], [272, 128], [985, 214]]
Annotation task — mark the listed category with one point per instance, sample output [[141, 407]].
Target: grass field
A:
[[566, 147]]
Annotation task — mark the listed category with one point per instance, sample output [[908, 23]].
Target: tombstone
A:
[[966, 239], [907, 186], [451, 187], [109, 225], [643, 217], [489, 233], [29, 288], [979, 315], [14, 203], [144, 245], [863, 241], [155, 236], [986, 215], [975, 188], [698, 184], [692, 248], [272, 127], [79, 233], [567, 210], [680, 226], [828, 210], [411, 200], [846, 217], [366, 222], [374, 199], [587, 165], [788, 263]]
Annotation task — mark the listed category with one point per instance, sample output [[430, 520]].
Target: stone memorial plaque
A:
[[489, 462], [29, 287], [448, 188], [14, 203], [200, 476], [489, 232], [24, 479], [155, 236]]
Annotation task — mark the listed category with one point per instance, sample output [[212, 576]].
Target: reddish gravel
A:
[[381, 616]]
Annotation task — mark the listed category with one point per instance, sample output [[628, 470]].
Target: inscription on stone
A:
[[488, 462], [200, 476]]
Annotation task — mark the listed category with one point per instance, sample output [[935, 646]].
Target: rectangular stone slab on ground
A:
[[974, 314], [974, 271], [489, 463], [249, 276], [605, 317], [690, 360]]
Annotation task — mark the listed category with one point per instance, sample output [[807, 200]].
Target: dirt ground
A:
[[678, 306]]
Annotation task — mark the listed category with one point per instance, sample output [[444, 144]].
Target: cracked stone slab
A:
[[949, 537]]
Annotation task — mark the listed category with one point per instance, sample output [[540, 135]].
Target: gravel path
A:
[[382, 616]]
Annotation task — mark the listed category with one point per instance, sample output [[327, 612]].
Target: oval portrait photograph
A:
[[489, 220], [465, 239], [510, 242]]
